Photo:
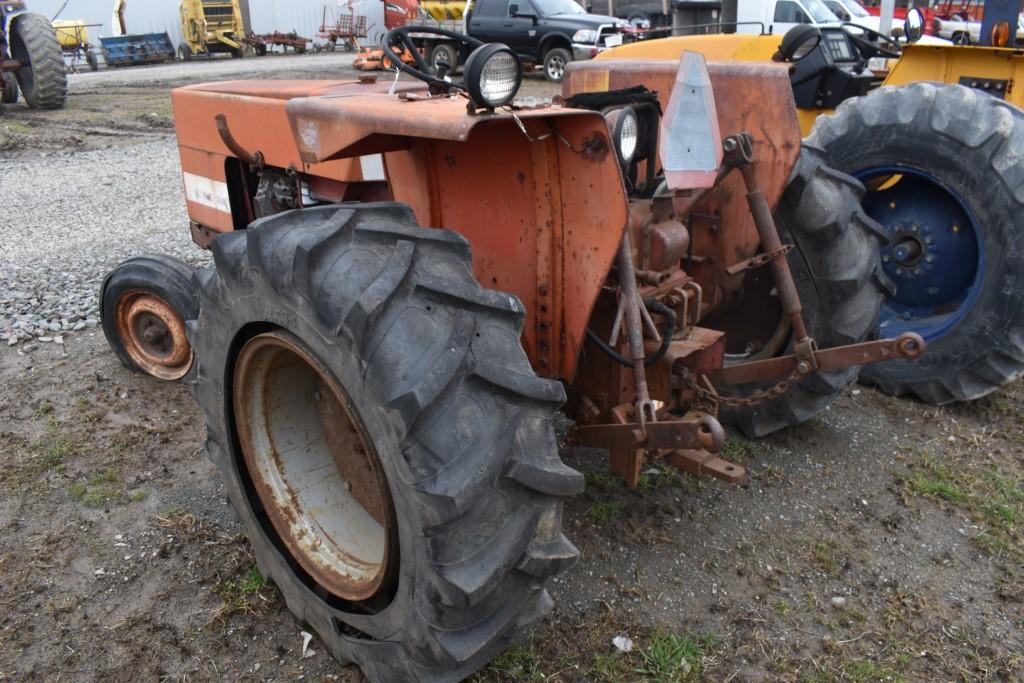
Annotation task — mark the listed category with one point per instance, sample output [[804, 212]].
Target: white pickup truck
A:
[[778, 16]]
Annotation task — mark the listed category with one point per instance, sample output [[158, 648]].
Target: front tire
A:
[[942, 164], [9, 92], [446, 54], [835, 266], [555, 61], [184, 53], [441, 392], [144, 304], [42, 77]]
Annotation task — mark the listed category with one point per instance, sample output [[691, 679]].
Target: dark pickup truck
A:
[[550, 33]]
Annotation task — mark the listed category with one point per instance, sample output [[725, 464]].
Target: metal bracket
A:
[[908, 346], [759, 260], [691, 443]]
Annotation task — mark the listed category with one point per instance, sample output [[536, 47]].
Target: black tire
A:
[[184, 53], [238, 54], [446, 52], [836, 269], [971, 143], [432, 362], [163, 276], [261, 50], [92, 60], [42, 77], [9, 91], [555, 61]]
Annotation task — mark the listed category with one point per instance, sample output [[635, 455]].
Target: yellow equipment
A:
[[444, 10], [999, 68], [71, 33], [210, 27]]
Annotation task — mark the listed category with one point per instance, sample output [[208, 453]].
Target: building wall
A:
[[157, 16]]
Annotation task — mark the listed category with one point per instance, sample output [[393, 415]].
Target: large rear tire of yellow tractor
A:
[[942, 164], [42, 77], [836, 268], [382, 436]]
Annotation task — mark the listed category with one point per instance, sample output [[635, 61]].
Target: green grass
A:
[[249, 594], [518, 663], [77, 491], [605, 510], [138, 496], [669, 657]]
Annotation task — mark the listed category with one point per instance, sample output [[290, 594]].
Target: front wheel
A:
[[9, 92], [444, 55], [382, 436], [555, 61], [144, 304], [836, 270], [942, 168], [184, 53]]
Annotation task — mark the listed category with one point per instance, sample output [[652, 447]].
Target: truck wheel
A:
[[444, 53], [238, 54], [348, 356], [9, 93], [184, 53], [835, 265], [555, 61], [92, 60], [43, 79], [144, 304], [945, 181]]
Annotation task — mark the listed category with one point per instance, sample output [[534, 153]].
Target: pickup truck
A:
[[547, 33]]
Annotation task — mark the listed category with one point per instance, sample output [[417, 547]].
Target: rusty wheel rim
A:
[[153, 335], [313, 468]]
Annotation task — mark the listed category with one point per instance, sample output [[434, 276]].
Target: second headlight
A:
[[493, 75], [625, 129]]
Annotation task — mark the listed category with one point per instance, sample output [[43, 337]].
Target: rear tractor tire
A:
[[144, 304], [42, 77], [942, 168], [836, 269], [347, 355]]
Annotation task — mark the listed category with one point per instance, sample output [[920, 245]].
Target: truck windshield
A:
[[549, 7], [852, 8], [820, 14]]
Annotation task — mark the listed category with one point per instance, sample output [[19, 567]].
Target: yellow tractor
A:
[[935, 132], [210, 27]]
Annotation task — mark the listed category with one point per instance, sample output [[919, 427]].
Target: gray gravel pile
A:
[[66, 220]]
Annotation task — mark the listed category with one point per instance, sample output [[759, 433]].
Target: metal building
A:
[[157, 16]]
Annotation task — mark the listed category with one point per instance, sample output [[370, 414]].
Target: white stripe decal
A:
[[208, 192], [373, 167]]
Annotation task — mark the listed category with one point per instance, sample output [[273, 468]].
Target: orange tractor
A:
[[652, 255]]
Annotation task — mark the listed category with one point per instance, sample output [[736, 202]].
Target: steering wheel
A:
[[874, 47], [422, 70]]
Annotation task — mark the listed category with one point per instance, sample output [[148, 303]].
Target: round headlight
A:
[[493, 74], [627, 135], [625, 129]]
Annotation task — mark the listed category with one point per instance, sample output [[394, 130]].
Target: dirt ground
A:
[[882, 541]]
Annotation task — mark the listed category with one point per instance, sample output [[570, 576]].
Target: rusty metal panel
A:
[[544, 217]]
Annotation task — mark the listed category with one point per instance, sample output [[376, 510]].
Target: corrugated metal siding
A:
[[142, 16], [153, 16]]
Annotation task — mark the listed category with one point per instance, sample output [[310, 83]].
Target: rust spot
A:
[[595, 148]]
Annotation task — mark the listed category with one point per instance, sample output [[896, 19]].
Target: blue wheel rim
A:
[[934, 255]]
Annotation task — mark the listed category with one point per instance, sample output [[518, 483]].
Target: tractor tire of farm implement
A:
[[836, 269], [397, 390], [942, 167], [42, 77], [9, 92], [144, 304]]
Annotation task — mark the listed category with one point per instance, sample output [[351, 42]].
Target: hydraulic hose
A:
[[666, 337]]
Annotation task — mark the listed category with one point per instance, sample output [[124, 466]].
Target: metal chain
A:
[[711, 395]]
